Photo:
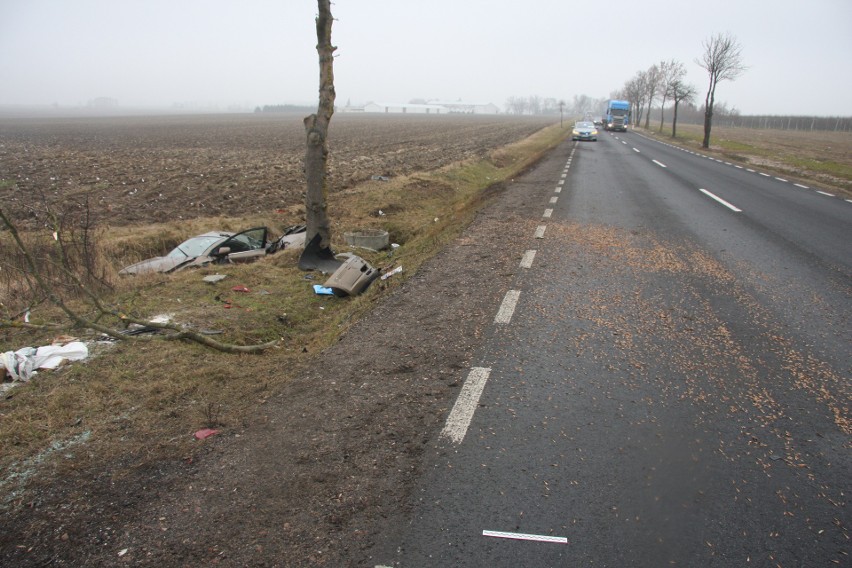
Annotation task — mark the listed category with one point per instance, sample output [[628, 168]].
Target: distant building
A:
[[467, 108], [431, 107], [404, 108]]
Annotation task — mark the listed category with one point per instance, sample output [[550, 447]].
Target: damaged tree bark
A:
[[316, 128]]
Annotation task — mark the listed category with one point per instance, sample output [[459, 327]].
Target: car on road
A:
[[215, 247], [585, 131]]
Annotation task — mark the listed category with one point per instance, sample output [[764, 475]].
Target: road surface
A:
[[667, 383]]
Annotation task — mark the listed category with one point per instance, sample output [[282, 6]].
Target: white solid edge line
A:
[[527, 259], [522, 536], [462, 413], [662, 165], [507, 308], [720, 200]]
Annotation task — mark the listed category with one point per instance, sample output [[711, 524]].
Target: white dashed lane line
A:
[[750, 170], [720, 200], [462, 413]]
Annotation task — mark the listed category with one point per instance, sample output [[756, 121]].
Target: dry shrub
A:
[[65, 256]]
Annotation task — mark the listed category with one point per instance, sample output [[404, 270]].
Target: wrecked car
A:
[[215, 247]]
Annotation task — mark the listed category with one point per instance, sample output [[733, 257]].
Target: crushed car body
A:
[[218, 247]]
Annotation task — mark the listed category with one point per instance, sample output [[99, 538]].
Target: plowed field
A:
[[146, 169]]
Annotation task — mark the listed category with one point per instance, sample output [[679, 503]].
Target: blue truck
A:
[[616, 115]]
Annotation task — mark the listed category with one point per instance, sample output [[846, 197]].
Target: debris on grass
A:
[[205, 433]]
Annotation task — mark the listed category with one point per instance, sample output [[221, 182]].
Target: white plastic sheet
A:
[[22, 364]]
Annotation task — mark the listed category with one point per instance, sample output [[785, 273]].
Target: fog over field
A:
[[228, 55]]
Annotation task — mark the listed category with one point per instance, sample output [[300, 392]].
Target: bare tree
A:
[[670, 71], [535, 104], [679, 91], [722, 59], [636, 90], [516, 105], [652, 87], [316, 128]]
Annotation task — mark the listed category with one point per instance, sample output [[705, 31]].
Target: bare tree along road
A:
[[666, 384]]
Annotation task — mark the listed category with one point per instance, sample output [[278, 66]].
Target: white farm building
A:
[[460, 107], [432, 107], [405, 108]]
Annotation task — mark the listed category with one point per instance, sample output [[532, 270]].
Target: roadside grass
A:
[[821, 158], [140, 399]]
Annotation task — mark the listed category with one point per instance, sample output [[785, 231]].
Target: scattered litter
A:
[[136, 329], [139, 329], [322, 290], [21, 365], [381, 213], [242, 289], [122, 552], [213, 278], [205, 433], [380, 178], [396, 270]]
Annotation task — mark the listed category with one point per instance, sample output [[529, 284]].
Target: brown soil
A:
[[153, 169], [323, 465]]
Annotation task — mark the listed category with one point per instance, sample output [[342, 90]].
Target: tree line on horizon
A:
[[664, 82]]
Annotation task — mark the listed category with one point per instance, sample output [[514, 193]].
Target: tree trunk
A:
[[316, 129], [708, 112], [674, 120]]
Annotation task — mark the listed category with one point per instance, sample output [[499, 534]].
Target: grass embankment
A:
[[821, 158], [146, 399]]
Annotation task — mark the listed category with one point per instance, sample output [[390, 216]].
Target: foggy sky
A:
[[156, 53]]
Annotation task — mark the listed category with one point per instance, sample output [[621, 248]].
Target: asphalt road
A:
[[667, 383]]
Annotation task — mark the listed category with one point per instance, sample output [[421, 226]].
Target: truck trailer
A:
[[616, 115]]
